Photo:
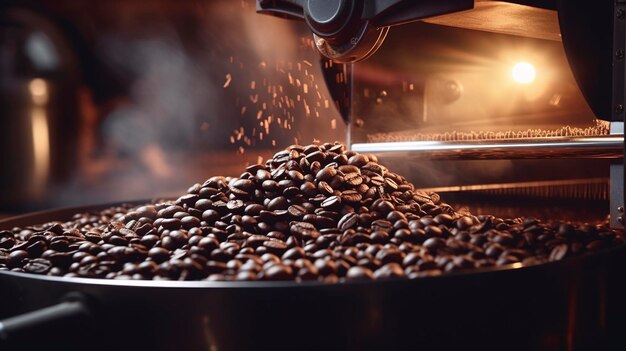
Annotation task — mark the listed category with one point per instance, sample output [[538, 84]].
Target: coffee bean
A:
[[297, 211], [36, 248], [351, 196], [276, 247], [326, 174], [278, 203], [358, 160], [242, 186], [390, 270], [348, 221], [38, 266], [353, 179], [171, 223], [558, 252], [359, 273], [504, 260], [433, 231], [434, 243], [158, 254], [16, 258], [331, 202], [389, 255], [278, 272], [189, 222], [294, 253]]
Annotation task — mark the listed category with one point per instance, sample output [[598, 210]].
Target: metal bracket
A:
[[617, 183], [619, 117]]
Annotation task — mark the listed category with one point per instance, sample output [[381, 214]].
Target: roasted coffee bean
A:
[[297, 211], [353, 179], [464, 223], [503, 238], [325, 188], [433, 231], [348, 221], [296, 176], [390, 270], [558, 252], [188, 199], [276, 247], [189, 222], [7, 242], [359, 273], [36, 248], [389, 255], [294, 253], [171, 223], [278, 203], [326, 267], [326, 174], [434, 243], [358, 160], [38, 266], [278, 272], [59, 259], [242, 186], [382, 225], [16, 258], [504, 260], [380, 236], [444, 219], [352, 196], [210, 216], [331, 202], [158, 254]]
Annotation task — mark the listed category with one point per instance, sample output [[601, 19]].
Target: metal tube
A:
[[609, 146]]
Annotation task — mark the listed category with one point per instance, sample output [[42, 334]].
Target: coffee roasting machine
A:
[[511, 102], [517, 105]]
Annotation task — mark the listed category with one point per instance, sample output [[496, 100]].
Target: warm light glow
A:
[[39, 91], [524, 73], [41, 148], [41, 134]]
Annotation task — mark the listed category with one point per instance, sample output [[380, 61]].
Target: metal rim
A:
[[360, 47]]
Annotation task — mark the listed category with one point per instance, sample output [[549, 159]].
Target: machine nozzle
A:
[[352, 30]]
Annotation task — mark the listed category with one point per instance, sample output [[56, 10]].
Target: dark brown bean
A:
[[16, 258], [359, 273]]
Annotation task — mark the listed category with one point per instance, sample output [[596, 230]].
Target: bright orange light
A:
[[524, 73], [39, 91]]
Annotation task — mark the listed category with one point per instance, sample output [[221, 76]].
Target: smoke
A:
[[168, 93], [203, 91]]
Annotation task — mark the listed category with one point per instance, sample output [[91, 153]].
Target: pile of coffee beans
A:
[[316, 212]]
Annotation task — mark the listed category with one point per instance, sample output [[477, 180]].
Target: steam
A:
[[175, 121]]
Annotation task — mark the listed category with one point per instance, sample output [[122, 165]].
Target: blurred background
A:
[[135, 99], [130, 99]]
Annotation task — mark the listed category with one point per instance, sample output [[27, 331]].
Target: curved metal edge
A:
[[360, 47], [66, 213], [3, 332]]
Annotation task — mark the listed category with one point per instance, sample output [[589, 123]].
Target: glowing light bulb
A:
[[524, 73]]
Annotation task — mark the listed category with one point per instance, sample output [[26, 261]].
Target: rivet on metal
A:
[[619, 108], [621, 13], [619, 54], [620, 219], [621, 209]]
